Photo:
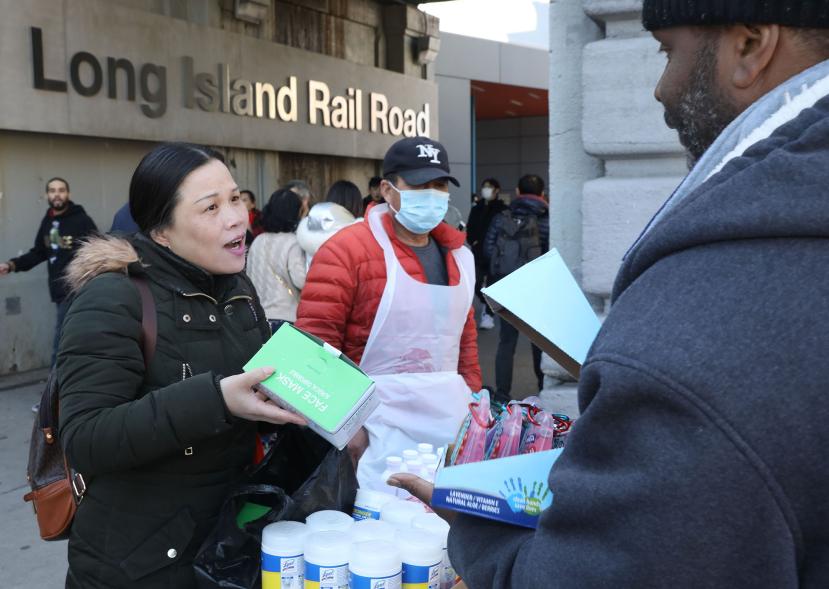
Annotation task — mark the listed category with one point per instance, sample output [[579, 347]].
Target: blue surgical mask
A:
[[421, 210]]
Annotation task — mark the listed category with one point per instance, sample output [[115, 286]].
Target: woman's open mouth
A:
[[237, 246]]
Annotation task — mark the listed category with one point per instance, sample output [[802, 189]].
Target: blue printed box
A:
[[512, 490]]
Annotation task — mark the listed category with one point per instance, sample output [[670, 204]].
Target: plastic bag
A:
[[301, 474]]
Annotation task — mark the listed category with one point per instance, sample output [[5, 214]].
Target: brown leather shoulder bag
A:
[[57, 488]]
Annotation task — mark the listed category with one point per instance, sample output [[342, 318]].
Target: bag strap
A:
[[149, 321]]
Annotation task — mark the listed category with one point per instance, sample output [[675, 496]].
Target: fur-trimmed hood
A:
[[100, 254], [138, 255]]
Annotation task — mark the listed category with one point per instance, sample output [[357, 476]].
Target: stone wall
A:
[[461, 60], [616, 159], [510, 148]]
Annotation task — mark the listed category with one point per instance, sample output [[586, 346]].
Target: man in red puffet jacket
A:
[[394, 293]]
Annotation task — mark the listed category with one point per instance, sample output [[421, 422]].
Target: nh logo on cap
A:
[[429, 151]]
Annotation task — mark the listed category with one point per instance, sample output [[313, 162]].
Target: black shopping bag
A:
[[301, 474]]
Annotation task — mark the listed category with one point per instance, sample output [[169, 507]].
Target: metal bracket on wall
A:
[[252, 11]]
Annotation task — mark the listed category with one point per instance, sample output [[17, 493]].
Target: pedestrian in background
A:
[[373, 195], [276, 263], [161, 446], [62, 230], [254, 216], [301, 188], [347, 195], [485, 209], [516, 236], [123, 222]]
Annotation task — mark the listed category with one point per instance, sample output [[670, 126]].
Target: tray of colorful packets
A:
[[498, 466]]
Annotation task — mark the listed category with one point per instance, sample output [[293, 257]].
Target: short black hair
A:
[[281, 214], [374, 182], [301, 186], [346, 194], [156, 180], [59, 179], [492, 182], [531, 184], [250, 194]]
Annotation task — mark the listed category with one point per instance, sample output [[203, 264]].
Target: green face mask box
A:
[[317, 381]]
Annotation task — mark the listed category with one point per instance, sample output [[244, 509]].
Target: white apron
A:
[[412, 356]]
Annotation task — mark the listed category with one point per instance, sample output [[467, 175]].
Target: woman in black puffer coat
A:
[[161, 448]]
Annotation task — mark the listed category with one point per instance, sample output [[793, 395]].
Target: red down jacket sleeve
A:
[[328, 296], [468, 366]]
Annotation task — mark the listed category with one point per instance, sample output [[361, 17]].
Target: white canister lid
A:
[[432, 523], [400, 512], [372, 529], [424, 448], [372, 499], [375, 558], [323, 521], [410, 455], [284, 538], [428, 459], [420, 548], [329, 548], [393, 461]]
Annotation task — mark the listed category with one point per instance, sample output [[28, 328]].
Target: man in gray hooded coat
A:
[[699, 458]]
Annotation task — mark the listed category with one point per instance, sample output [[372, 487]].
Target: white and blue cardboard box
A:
[[513, 490], [545, 303]]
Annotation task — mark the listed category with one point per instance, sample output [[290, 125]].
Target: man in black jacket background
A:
[[487, 206], [63, 227], [526, 223]]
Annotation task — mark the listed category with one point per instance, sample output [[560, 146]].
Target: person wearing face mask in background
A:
[[394, 293], [486, 208]]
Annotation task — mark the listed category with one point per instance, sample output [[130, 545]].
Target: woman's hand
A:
[[242, 401]]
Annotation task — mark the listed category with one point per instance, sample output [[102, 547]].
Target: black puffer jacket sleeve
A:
[[107, 423]]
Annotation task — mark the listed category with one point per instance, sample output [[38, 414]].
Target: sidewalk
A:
[[26, 561]]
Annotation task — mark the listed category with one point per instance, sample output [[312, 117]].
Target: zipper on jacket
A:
[[198, 294], [186, 372], [238, 298]]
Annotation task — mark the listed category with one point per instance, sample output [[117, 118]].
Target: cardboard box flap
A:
[[544, 302]]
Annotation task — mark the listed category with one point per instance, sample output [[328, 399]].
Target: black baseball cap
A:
[[418, 160]]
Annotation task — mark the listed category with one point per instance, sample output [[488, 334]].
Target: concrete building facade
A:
[[613, 161], [508, 136], [308, 89]]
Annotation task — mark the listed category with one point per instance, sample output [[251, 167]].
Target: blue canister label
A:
[[326, 577], [422, 577], [361, 513], [282, 572], [361, 582]]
